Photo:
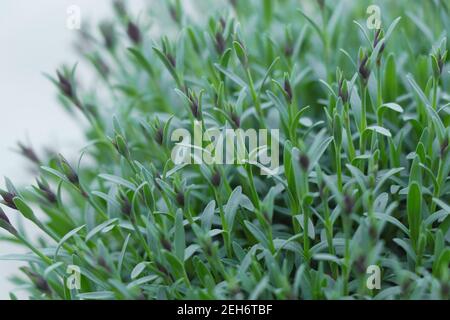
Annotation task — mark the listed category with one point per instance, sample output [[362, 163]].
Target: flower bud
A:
[[28, 153], [337, 129], [241, 53], [215, 179], [121, 146], [445, 291], [321, 4], [68, 171], [120, 8], [288, 88], [236, 120], [175, 11], [304, 162], [134, 33], [48, 193], [8, 199], [108, 34], [444, 147], [349, 203], [378, 37], [234, 3], [342, 87], [166, 244], [67, 89], [219, 42], [363, 69], [437, 62], [39, 281], [126, 207], [161, 268], [180, 198], [159, 136], [194, 105], [5, 223]]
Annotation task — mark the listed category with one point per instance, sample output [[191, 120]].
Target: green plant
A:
[[364, 125]]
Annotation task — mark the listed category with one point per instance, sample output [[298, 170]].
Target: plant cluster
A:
[[364, 129]]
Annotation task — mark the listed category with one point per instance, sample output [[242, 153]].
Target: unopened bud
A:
[[166, 244], [236, 120], [215, 179], [5, 223], [48, 193], [68, 171], [288, 88], [180, 198], [363, 70], [219, 42], [8, 199], [28, 153], [444, 147], [109, 37], [348, 204], [134, 33], [304, 162]]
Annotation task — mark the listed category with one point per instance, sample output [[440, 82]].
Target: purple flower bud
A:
[[6, 223], [166, 244], [288, 50], [304, 162], [49, 194], [119, 8], [67, 88], [134, 33], [39, 281], [348, 204], [215, 179], [65, 85], [173, 13], [8, 199], [363, 70], [219, 43], [444, 147], [28, 153], [194, 105], [236, 120], [70, 173], [180, 198], [159, 136], [222, 22], [360, 264], [288, 89], [125, 205]]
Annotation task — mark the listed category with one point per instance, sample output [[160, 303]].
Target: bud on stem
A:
[[68, 171], [5, 223]]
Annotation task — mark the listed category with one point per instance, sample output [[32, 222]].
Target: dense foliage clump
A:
[[363, 183]]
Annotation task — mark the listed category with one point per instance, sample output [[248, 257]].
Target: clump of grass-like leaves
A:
[[364, 129]]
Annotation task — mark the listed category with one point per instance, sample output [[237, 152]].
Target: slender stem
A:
[[226, 232], [256, 100], [46, 259], [252, 186], [351, 147], [337, 153]]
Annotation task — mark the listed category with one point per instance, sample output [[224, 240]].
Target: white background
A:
[[34, 39]]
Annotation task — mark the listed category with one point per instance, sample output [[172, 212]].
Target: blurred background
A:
[[34, 39]]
